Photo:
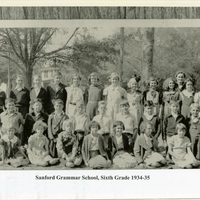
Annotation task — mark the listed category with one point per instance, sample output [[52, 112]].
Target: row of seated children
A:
[[55, 124]]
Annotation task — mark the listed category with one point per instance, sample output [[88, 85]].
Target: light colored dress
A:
[[74, 94], [179, 146], [151, 156], [38, 154], [135, 105], [114, 96]]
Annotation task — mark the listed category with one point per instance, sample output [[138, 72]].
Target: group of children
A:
[[101, 127]]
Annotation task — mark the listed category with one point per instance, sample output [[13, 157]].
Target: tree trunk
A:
[[121, 58], [28, 74], [148, 46]]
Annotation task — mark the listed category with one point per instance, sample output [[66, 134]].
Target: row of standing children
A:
[[130, 113]]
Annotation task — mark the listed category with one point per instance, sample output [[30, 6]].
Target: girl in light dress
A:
[[169, 87], [180, 149], [135, 99], [122, 159], [38, 147], [186, 96], [114, 94], [74, 93], [144, 149], [153, 95]]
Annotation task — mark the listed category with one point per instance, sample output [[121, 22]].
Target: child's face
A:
[[93, 80], [189, 86], [180, 78], [80, 108], [124, 108], [195, 112], [19, 81], [75, 80], [171, 84], [153, 85], [134, 85], [148, 130], [174, 108], [40, 130], [114, 81], [118, 130], [11, 133], [181, 132], [37, 81], [149, 110], [94, 129], [57, 79], [68, 128], [58, 107], [37, 107], [10, 106], [102, 109]]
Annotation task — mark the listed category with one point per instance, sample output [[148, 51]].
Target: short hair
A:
[[148, 103], [66, 122], [39, 123], [113, 75], [37, 100], [132, 80], [152, 78], [57, 73], [174, 102], [194, 105], [124, 102], [180, 72], [118, 123], [93, 123], [80, 102], [58, 101], [19, 76], [144, 125], [100, 103], [9, 100], [93, 74], [11, 127], [166, 83], [37, 76], [180, 126]]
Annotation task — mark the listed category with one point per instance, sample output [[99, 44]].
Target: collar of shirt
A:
[[38, 88], [174, 115], [19, 88], [188, 94], [194, 119], [149, 117], [6, 139], [94, 138], [59, 114], [10, 114]]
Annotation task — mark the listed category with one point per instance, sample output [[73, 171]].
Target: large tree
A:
[[26, 46]]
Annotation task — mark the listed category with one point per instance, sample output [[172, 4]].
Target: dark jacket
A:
[[52, 95]]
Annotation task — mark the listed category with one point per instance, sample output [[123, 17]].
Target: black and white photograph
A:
[[99, 101], [100, 98]]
